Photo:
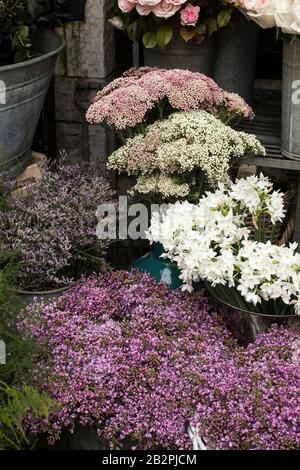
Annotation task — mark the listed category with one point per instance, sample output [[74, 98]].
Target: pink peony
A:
[[165, 10], [189, 15], [125, 6]]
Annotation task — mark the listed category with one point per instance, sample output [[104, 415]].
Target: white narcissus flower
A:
[[211, 241]]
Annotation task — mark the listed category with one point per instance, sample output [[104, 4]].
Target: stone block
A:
[[69, 139], [90, 44], [65, 107]]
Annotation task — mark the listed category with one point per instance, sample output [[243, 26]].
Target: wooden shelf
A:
[[267, 127]]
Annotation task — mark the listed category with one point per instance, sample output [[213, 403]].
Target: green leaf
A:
[[131, 31], [224, 18], [164, 35], [149, 39], [201, 29], [23, 33], [188, 33], [212, 25]]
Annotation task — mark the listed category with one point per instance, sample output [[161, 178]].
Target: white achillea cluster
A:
[[161, 184], [211, 241], [193, 143]]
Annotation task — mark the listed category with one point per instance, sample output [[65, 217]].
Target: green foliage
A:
[[157, 31], [224, 18], [164, 35], [18, 23], [15, 405], [149, 39]]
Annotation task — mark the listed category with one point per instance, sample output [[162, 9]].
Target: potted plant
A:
[[53, 230], [27, 59], [133, 361], [179, 159], [216, 241], [175, 33], [130, 336], [286, 17]]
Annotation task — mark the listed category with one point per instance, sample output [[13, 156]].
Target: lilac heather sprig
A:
[[126, 102], [53, 231]]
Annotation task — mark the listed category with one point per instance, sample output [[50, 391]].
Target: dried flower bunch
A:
[[180, 156], [135, 360], [54, 230], [157, 21], [212, 241], [143, 95]]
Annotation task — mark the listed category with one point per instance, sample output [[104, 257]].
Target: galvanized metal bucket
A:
[[235, 64], [245, 326], [290, 127], [196, 55], [23, 90], [28, 297]]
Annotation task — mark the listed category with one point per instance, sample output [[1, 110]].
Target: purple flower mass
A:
[[136, 360], [53, 231]]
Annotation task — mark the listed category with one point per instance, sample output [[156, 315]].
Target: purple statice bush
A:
[[136, 361], [53, 230], [141, 96]]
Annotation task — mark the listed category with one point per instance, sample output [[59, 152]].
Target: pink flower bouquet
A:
[[156, 20]]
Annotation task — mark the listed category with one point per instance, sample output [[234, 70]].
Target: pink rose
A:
[[165, 10], [143, 10], [125, 6], [189, 15], [176, 2]]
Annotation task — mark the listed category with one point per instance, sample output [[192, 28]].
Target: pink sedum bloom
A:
[[189, 15]]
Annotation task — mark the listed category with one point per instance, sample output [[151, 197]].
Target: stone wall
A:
[[86, 65]]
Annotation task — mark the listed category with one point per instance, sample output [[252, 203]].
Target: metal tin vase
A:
[[160, 269], [23, 89], [245, 326], [290, 127], [28, 297], [236, 58]]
